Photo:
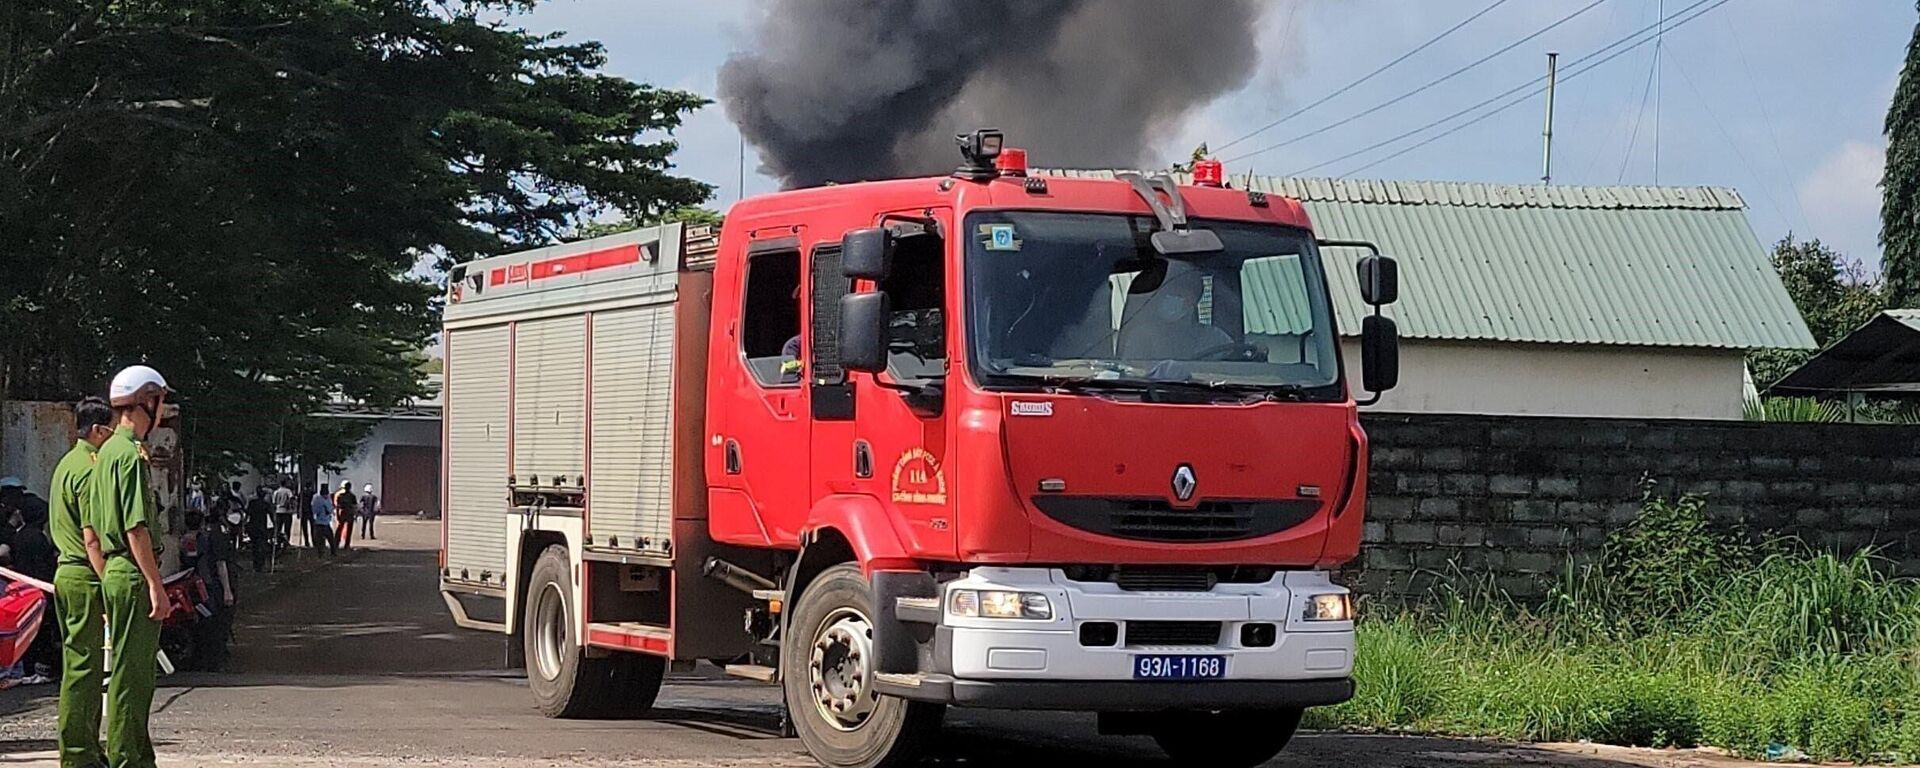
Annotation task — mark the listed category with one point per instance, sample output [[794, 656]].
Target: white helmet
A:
[[367, 489], [11, 482], [135, 383]]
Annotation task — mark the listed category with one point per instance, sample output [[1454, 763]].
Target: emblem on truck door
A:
[[1184, 482], [918, 479]]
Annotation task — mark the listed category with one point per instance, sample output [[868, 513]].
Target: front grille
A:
[[1138, 579], [1154, 519], [1173, 633]]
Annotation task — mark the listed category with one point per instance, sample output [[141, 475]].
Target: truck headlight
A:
[[1329, 607], [998, 604]]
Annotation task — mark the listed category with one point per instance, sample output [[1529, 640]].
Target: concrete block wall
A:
[[1517, 498]]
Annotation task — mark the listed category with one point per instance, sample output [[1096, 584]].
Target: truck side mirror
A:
[[1379, 355], [863, 331], [1379, 280], [867, 253]]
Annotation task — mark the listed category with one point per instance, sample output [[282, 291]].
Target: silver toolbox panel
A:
[[477, 386], [550, 401], [630, 481]]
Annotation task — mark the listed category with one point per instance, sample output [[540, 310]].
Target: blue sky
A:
[[1781, 99]]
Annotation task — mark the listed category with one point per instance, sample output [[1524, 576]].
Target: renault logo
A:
[[1184, 482]]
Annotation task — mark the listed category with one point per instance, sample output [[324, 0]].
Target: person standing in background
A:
[[369, 506], [76, 589], [260, 528], [320, 517], [306, 517], [345, 507], [35, 555], [285, 509], [119, 509]]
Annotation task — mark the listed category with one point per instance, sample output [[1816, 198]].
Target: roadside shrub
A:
[[1682, 634], [1400, 679], [1646, 709], [1670, 560], [1803, 603]]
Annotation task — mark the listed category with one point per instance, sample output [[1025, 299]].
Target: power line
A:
[[1499, 96], [1599, 149], [1368, 76], [1416, 91], [1516, 102], [1728, 135], [1659, 44], [1634, 137], [1773, 133]]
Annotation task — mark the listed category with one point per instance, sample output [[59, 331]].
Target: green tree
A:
[[691, 214], [242, 192], [1834, 294], [1900, 185]]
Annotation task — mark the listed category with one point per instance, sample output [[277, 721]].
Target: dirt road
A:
[[356, 664]]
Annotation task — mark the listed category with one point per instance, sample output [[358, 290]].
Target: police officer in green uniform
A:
[[120, 513], [76, 596]]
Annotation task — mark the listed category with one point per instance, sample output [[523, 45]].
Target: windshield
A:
[[1083, 300]]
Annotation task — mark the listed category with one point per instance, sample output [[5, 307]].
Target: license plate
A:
[[1161, 667]]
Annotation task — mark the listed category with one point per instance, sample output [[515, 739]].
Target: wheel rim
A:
[[837, 669], [549, 631]]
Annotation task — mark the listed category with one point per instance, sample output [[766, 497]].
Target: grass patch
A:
[[1682, 635]]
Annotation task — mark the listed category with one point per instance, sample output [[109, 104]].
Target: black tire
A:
[[893, 732], [565, 681], [1238, 739]]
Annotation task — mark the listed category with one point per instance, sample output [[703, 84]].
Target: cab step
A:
[[755, 672]]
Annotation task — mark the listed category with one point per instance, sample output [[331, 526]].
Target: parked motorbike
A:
[[192, 604]]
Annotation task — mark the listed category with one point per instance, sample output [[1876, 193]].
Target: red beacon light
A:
[[1209, 173], [1012, 162]]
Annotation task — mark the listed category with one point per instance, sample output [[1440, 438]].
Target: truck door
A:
[[895, 444], [764, 441]]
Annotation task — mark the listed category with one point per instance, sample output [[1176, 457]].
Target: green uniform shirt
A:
[[66, 509], [119, 499]]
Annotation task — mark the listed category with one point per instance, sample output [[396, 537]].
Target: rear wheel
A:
[[1237, 739], [827, 677], [565, 681]]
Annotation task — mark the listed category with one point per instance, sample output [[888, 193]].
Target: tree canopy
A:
[[1900, 185], [1834, 294], [245, 193]]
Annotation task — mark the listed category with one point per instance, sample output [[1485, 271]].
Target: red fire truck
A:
[[982, 440]]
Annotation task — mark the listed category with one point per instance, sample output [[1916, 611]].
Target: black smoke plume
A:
[[845, 90]]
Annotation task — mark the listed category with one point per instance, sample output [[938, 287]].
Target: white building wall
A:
[[363, 467], [1561, 380]]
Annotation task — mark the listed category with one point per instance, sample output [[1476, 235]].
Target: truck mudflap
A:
[[1071, 645]]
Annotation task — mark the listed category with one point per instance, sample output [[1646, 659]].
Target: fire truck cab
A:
[[988, 439]]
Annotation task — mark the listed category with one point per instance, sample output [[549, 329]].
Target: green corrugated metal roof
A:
[[1643, 266]]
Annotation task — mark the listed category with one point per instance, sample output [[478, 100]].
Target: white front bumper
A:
[[1015, 649]]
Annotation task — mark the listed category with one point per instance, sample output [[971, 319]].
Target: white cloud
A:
[[1842, 199]]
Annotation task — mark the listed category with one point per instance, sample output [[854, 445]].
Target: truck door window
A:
[[770, 321], [916, 289], [1284, 314]]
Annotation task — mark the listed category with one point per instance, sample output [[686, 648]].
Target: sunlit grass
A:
[[1772, 649]]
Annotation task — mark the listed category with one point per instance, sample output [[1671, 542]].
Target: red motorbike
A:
[[192, 604]]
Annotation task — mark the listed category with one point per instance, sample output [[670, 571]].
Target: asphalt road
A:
[[355, 663]]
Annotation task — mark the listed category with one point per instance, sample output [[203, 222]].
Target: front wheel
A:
[[1238, 739], [565, 681], [826, 669]]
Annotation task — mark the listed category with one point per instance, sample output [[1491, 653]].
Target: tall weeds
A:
[[1682, 633]]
